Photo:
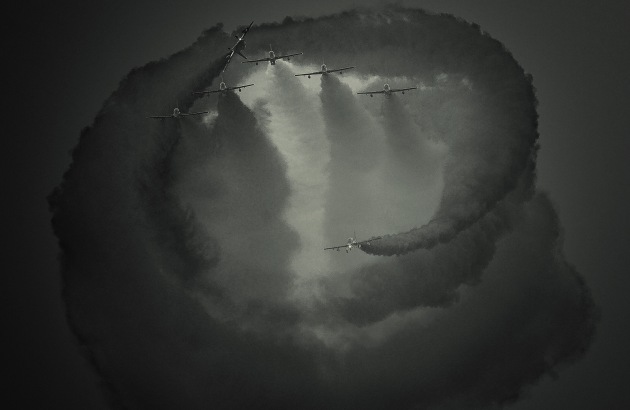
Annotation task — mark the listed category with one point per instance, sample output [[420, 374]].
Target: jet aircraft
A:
[[388, 91], [177, 114], [223, 89], [325, 71], [352, 242], [238, 47], [272, 57]]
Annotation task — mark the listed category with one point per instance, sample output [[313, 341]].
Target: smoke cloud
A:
[[192, 249]]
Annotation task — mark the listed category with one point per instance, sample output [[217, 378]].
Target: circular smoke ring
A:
[[185, 267]]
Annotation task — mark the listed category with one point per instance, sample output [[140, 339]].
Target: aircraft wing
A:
[[206, 92], [340, 69], [336, 247], [160, 116], [288, 55], [373, 92], [256, 61], [313, 73], [238, 87], [397, 90], [368, 241], [184, 114]]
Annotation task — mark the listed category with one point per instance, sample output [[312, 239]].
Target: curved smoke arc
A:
[[176, 256]]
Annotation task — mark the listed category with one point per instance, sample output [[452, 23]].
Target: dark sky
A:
[[72, 56]]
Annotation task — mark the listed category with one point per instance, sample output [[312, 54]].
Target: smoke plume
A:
[[192, 249]]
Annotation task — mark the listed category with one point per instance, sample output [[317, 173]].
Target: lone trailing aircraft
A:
[[272, 57], [388, 91], [223, 89], [238, 47], [352, 242], [325, 71], [177, 114]]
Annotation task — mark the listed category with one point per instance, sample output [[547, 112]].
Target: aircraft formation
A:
[[238, 48]]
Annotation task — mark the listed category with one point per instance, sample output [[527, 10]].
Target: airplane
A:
[[272, 57], [238, 47], [352, 242], [325, 71], [177, 114], [223, 89], [388, 91]]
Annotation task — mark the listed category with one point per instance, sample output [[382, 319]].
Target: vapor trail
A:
[[412, 167], [182, 241], [488, 153], [296, 127], [355, 141]]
